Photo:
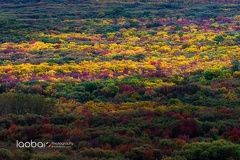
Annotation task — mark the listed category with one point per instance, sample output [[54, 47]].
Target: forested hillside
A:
[[136, 80]]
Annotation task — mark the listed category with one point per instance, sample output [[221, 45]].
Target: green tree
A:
[[19, 103], [216, 150], [237, 39], [212, 73], [219, 39], [235, 65]]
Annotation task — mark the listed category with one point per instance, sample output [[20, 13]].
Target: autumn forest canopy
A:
[[134, 80]]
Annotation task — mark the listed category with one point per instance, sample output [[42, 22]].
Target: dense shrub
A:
[[5, 154], [216, 150], [19, 103], [97, 152]]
